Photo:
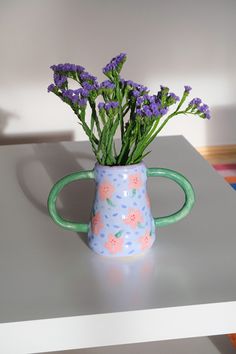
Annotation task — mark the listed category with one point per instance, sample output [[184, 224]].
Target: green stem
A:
[[84, 124], [120, 113], [181, 101], [154, 133], [110, 158], [169, 117], [143, 143], [124, 107], [94, 116], [127, 141], [126, 111]]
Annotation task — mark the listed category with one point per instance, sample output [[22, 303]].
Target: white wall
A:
[[172, 42]]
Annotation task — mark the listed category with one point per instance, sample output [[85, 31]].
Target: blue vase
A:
[[121, 222]]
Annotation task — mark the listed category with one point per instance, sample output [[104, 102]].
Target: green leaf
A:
[[134, 192], [118, 234], [110, 202]]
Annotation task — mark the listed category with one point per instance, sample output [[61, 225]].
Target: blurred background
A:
[[174, 43]]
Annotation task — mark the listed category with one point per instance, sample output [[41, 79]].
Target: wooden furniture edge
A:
[[219, 153]]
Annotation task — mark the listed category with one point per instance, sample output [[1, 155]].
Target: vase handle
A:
[[188, 191], [52, 198]]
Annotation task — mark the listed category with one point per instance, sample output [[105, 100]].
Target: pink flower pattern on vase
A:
[[97, 223], [114, 244], [106, 189], [133, 218], [119, 218], [146, 241], [135, 181]]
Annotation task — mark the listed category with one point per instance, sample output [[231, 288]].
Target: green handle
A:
[[188, 191], [52, 198]]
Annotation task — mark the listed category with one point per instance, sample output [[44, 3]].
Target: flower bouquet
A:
[[121, 222], [119, 105]]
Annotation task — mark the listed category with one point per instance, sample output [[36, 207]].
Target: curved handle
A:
[[52, 198], [188, 191]]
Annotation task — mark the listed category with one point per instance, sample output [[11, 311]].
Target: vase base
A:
[[132, 255]]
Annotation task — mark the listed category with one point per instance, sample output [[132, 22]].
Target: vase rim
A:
[[116, 167]]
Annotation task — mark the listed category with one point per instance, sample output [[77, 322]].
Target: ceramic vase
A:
[[121, 220]]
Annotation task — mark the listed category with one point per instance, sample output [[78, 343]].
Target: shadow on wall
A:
[[5, 116], [222, 127], [8, 139]]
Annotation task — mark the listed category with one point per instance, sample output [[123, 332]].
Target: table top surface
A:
[[206, 345], [47, 272]]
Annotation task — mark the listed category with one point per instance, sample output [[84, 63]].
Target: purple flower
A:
[[79, 69], [130, 83], [51, 87], [53, 67], [174, 97], [140, 100], [203, 108], [111, 105], [67, 68], [115, 104], [135, 93], [187, 89], [195, 102], [139, 112], [83, 92], [82, 102], [163, 111], [151, 99], [59, 79], [85, 76], [88, 87], [147, 112], [107, 84], [108, 106], [68, 94], [136, 86], [101, 106], [154, 108], [115, 64], [148, 104], [74, 98]]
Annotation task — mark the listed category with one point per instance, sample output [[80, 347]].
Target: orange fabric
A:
[[231, 179], [232, 337]]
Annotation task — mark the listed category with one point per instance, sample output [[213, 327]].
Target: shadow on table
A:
[[223, 344], [33, 138], [75, 199]]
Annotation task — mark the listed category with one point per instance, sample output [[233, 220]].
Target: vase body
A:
[[121, 221]]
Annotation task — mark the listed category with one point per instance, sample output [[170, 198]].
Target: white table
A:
[[56, 294]]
